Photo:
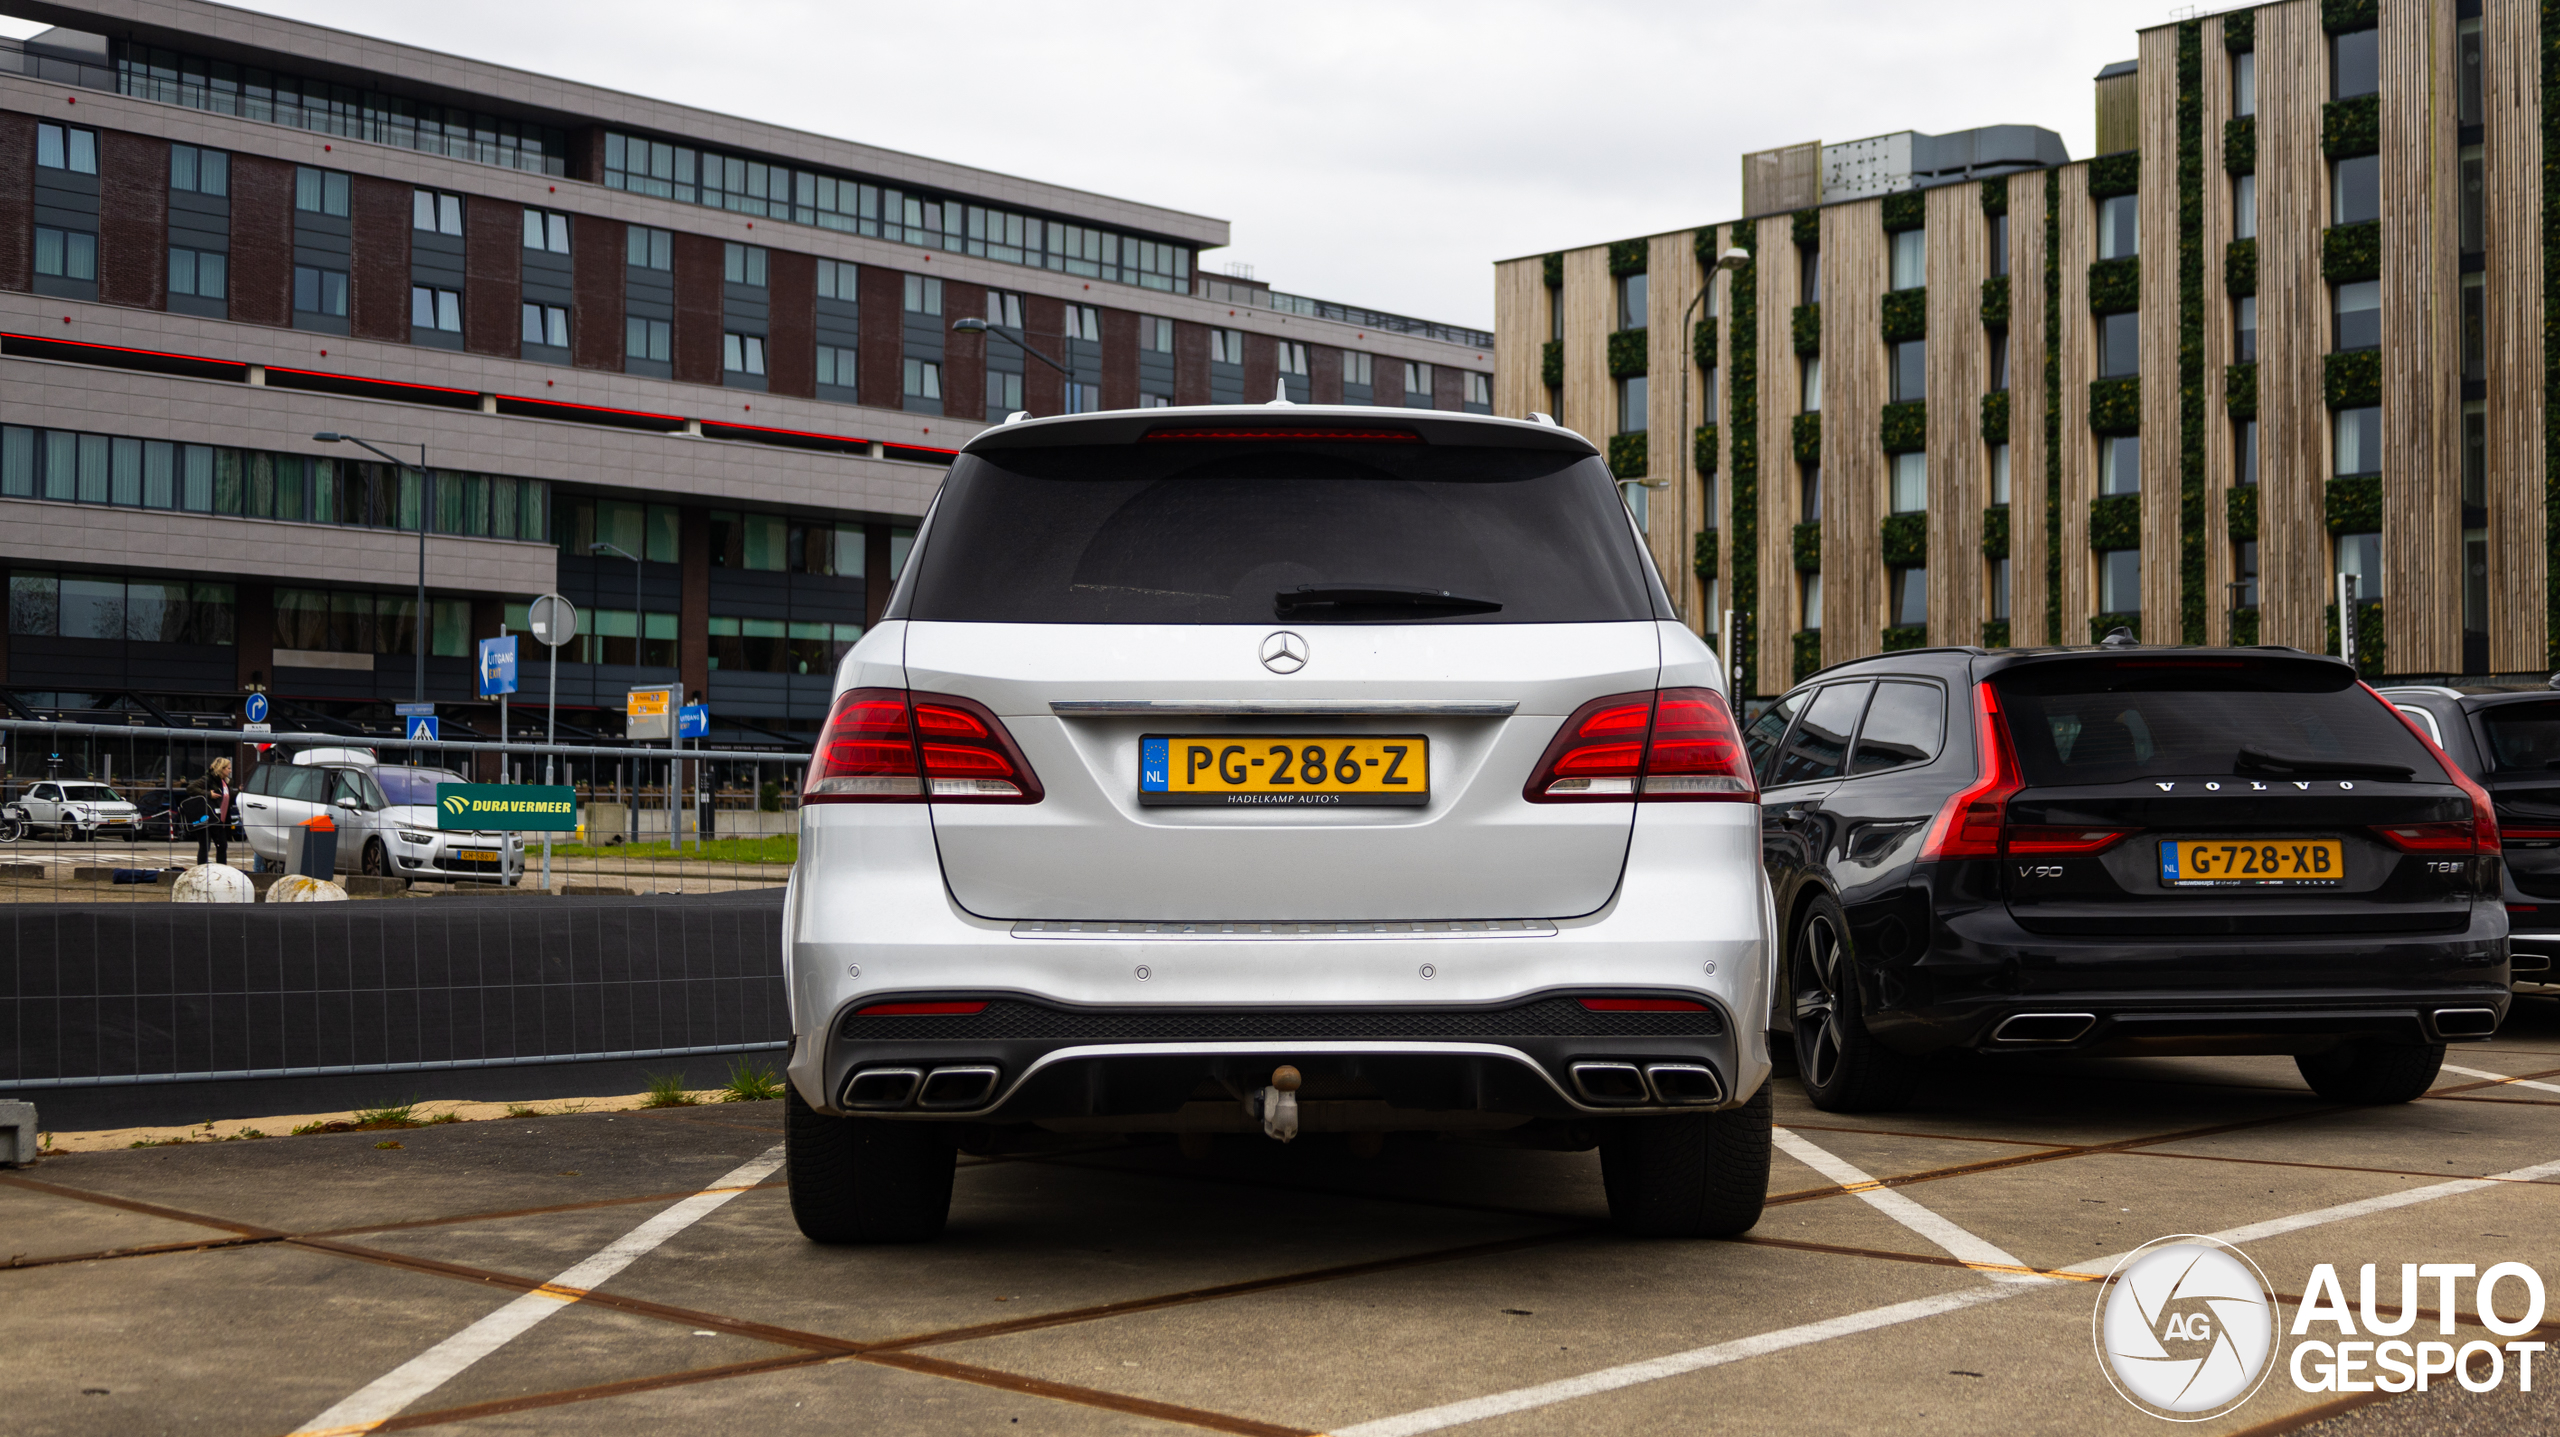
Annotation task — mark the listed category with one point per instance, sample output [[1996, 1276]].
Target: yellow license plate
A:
[[2253, 863], [476, 855], [1292, 771]]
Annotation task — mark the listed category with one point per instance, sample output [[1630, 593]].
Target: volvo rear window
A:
[[1257, 533], [2103, 721], [2523, 738]]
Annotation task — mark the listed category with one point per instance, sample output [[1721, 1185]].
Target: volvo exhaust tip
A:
[[954, 1088], [1684, 1085], [2466, 1022], [873, 1089], [1609, 1084], [2045, 1028]]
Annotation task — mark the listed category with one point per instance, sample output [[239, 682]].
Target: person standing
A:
[[214, 825]]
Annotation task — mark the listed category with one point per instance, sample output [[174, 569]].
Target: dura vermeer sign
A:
[[506, 805]]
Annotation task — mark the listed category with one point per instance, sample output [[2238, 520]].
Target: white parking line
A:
[[1959, 1244], [387, 1396], [1477, 1409], [2503, 1078]]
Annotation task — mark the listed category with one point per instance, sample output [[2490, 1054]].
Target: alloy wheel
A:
[[1817, 1001]]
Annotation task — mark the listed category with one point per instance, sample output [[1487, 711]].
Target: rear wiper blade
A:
[[1377, 596], [2250, 760]]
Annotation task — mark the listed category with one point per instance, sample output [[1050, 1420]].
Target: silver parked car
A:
[[385, 816], [1281, 770], [75, 809]]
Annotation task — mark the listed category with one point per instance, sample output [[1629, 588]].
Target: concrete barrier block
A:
[[17, 1134]]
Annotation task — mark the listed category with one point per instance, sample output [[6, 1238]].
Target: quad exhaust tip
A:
[[883, 1087], [1684, 1085], [2466, 1022], [2044, 1028], [1610, 1084], [951, 1089]]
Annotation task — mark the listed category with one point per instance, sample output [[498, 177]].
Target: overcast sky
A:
[[1381, 153]]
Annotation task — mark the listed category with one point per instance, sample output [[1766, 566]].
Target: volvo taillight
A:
[[2484, 812], [893, 746], [1968, 826], [1668, 745]]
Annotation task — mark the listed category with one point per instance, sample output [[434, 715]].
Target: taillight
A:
[[2484, 812], [1968, 826], [2454, 837], [892, 746], [1677, 745], [2513, 834], [2062, 839]]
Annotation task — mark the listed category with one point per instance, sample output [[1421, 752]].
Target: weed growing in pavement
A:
[[403, 1116], [666, 1090], [581, 1107], [157, 1143], [309, 1128], [388, 1145], [749, 1083], [524, 1110]]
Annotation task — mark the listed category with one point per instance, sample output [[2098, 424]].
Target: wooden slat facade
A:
[[2422, 349], [2157, 204], [1959, 465], [2026, 408], [1675, 280], [2078, 221], [1590, 317], [1520, 317], [1856, 475], [2295, 561], [2519, 571], [2220, 450], [1775, 265]]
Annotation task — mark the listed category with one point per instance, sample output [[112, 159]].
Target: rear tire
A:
[[1693, 1175], [1843, 1068], [865, 1179], [2370, 1074]]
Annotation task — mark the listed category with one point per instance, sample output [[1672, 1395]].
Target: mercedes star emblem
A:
[[1284, 653]]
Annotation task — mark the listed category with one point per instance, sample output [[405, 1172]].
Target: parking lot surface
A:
[[1922, 1271]]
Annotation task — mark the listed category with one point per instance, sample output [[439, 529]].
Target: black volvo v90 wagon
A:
[[2125, 850]]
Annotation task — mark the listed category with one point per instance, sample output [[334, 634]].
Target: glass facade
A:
[[224, 88]]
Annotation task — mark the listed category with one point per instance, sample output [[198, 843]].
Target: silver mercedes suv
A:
[[1279, 770]]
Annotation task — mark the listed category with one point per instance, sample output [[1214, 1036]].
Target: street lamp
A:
[[980, 326], [426, 521], [1726, 263]]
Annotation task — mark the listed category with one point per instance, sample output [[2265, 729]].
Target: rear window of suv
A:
[[2522, 737], [2102, 721], [1218, 533]]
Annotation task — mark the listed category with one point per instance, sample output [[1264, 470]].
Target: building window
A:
[[1631, 301], [2358, 315], [2358, 449], [2466, 72], [2244, 329], [1910, 378], [924, 380], [1480, 387], [2244, 206], [320, 192], [923, 296], [435, 213], [2475, 327], [2119, 227], [2120, 581], [1706, 394], [645, 248], [1910, 483], [837, 280], [1417, 380], [2360, 559], [2355, 190], [2120, 464], [1808, 276], [2354, 64], [1083, 398], [745, 264], [2244, 83], [1809, 597], [323, 291], [744, 354], [1809, 494], [2473, 211], [544, 230], [1999, 586], [1910, 596], [2244, 574], [1999, 243], [1004, 395], [1999, 473], [1911, 259], [2244, 446], [1809, 385], [1998, 341], [838, 367], [429, 307], [197, 272], [1293, 358], [66, 254], [1083, 323], [199, 171], [1004, 309], [2119, 346], [2475, 455], [547, 324], [1156, 334], [650, 339], [65, 147], [1357, 368], [1631, 404], [1154, 401], [1226, 346]]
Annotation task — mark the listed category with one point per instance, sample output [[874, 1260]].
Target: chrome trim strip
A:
[[1262, 708], [1242, 930]]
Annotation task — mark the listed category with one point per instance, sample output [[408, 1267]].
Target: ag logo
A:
[[2184, 1328], [456, 804]]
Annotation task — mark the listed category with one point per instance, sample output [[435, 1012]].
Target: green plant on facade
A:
[[1904, 636], [2191, 372], [2115, 522], [1995, 417], [2339, 16], [1995, 633], [1630, 455], [1551, 364], [1805, 433], [1627, 353], [2240, 268], [1808, 654], [1908, 210], [2352, 380], [2240, 145], [2550, 153], [2349, 128], [1628, 257], [2115, 285], [1995, 196], [1702, 449], [2240, 512], [2354, 505], [1808, 547], [1703, 556], [2105, 624], [1995, 532], [1906, 315], [1742, 409], [1702, 343], [1905, 427], [2240, 389], [1906, 540], [2240, 31], [2351, 252], [2053, 406], [2372, 648], [1553, 268], [1805, 228], [1805, 324], [2116, 174], [2244, 626], [2115, 405], [1995, 302]]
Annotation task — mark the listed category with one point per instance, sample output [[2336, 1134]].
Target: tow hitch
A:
[[1277, 1105]]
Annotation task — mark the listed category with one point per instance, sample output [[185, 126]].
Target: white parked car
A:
[[76, 809], [385, 815], [1279, 770]]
